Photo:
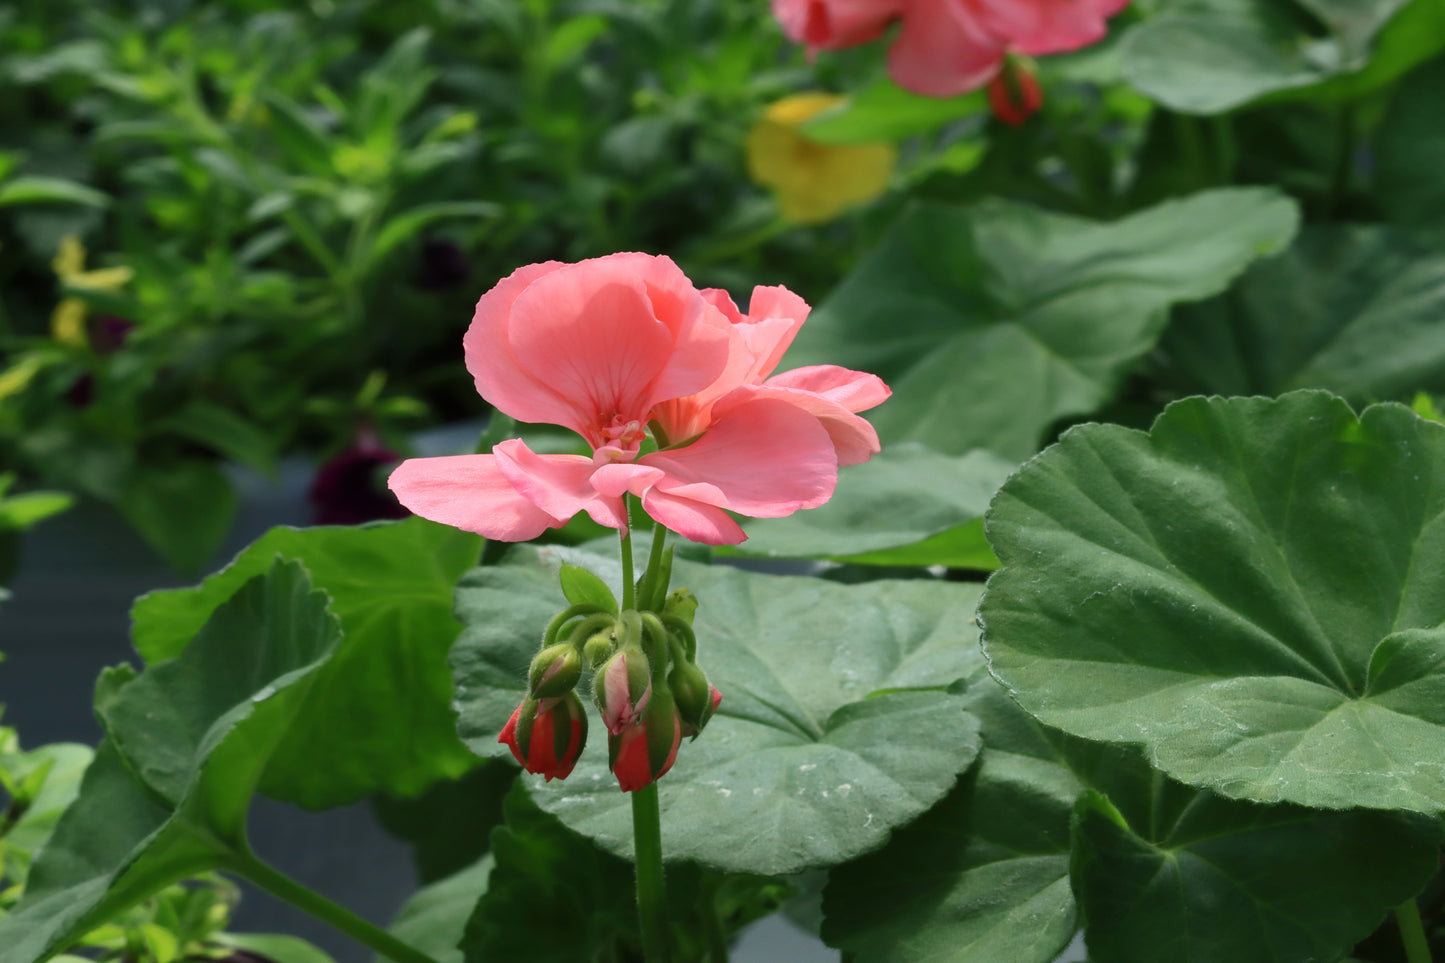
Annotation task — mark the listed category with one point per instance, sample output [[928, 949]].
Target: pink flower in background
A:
[[949, 47], [618, 346]]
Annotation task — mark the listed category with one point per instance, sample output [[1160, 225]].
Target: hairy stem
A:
[[647, 845]]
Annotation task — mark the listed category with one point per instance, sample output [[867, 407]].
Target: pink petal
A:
[[692, 520], [765, 458], [1047, 26], [831, 24], [944, 50], [468, 492], [855, 440], [775, 314], [854, 390], [487, 347], [616, 480], [560, 485], [588, 332]]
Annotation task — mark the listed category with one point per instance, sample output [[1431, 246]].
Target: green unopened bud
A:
[[681, 604], [599, 647], [555, 671], [696, 699]]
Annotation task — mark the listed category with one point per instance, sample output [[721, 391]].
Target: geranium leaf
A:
[[800, 768], [1246, 883], [1252, 591], [391, 585], [1043, 312], [986, 874], [1410, 150], [186, 745], [434, 919], [907, 506], [1209, 56], [1351, 308]]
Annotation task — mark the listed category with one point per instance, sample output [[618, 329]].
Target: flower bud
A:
[[1014, 94], [547, 735], [598, 647], [697, 700], [622, 688], [682, 604], [555, 670], [643, 753]]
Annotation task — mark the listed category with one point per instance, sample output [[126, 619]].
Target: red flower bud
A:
[[643, 753], [697, 699], [547, 735], [1014, 94], [622, 689]]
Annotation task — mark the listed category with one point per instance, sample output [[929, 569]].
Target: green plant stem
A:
[[284, 887], [717, 941], [629, 587], [1412, 932], [647, 845]]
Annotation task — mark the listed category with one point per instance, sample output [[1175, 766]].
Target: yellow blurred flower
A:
[[67, 324], [814, 182]]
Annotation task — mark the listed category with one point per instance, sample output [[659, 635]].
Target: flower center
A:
[[620, 439]]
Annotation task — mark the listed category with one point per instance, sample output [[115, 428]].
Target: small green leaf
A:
[[801, 767], [278, 949], [391, 585], [887, 112], [224, 432], [434, 919], [405, 225], [1253, 591], [19, 512], [583, 588], [49, 190]]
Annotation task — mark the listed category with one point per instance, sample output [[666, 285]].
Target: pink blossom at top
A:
[[620, 347], [948, 47]]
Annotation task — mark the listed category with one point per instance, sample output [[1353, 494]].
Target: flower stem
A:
[[629, 587], [286, 888], [1412, 932], [647, 845]]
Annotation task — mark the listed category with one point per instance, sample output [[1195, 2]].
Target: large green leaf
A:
[[986, 874], [380, 715], [1410, 150], [1209, 56], [993, 322], [1253, 591], [434, 919], [1224, 880], [167, 793], [801, 767], [907, 506], [1355, 309]]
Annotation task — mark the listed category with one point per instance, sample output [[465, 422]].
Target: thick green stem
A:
[[629, 588], [1412, 932], [647, 845], [284, 887]]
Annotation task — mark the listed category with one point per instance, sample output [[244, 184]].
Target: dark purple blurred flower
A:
[[348, 491], [442, 264], [108, 333]]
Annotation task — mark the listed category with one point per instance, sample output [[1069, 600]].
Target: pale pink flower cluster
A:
[[622, 347], [948, 47]]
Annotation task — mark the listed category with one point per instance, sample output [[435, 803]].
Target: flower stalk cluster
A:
[[646, 683]]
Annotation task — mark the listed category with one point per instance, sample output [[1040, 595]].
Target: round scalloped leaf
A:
[[813, 757], [1254, 591]]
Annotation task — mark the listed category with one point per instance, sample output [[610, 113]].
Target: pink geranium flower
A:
[[620, 347], [948, 47]]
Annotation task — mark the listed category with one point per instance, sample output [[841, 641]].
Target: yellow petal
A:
[[102, 279], [70, 259], [814, 182], [67, 324], [14, 379]]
